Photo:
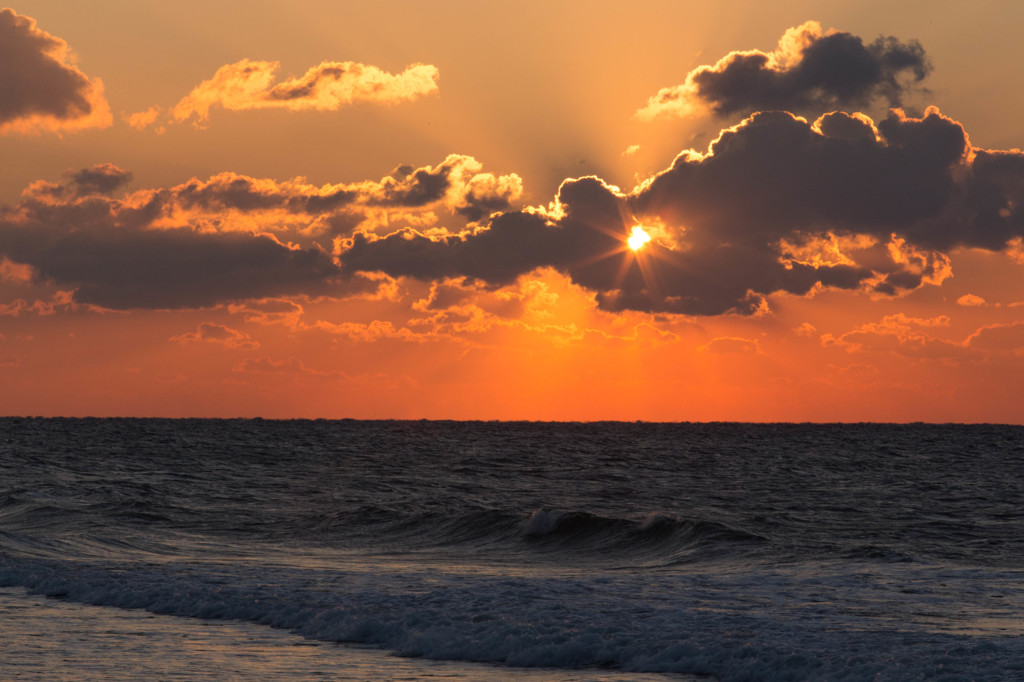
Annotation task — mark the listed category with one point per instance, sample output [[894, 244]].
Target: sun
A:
[[638, 237]]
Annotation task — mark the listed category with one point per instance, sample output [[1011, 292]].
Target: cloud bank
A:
[[227, 238], [809, 71], [41, 90], [776, 204]]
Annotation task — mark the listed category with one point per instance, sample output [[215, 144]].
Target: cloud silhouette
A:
[[809, 71], [41, 90], [105, 178], [116, 255], [179, 247], [777, 204], [176, 268]]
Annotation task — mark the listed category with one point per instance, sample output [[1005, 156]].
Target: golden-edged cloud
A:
[[329, 86], [776, 204], [810, 70], [224, 239], [904, 335], [970, 300], [42, 90]]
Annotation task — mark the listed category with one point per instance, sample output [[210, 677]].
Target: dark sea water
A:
[[731, 551]]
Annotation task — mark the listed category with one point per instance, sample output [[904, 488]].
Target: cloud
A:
[[329, 86], [141, 120], [970, 300], [60, 300], [457, 185], [269, 311], [177, 268], [109, 251], [225, 239], [14, 272], [999, 338], [810, 70], [211, 332], [732, 344], [42, 90], [105, 178], [899, 334], [914, 337], [776, 204], [369, 332]]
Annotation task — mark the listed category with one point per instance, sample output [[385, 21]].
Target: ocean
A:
[[386, 550]]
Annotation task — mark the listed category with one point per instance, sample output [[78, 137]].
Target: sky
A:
[[661, 211]]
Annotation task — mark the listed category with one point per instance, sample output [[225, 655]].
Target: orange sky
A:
[[399, 210]]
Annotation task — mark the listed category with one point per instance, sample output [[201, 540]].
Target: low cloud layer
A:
[[457, 185], [40, 89], [810, 71], [228, 238], [777, 204], [329, 86]]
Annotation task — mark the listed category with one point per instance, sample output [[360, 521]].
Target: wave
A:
[[633, 622], [544, 534], [660, 538], [37, 525], [34, 524]]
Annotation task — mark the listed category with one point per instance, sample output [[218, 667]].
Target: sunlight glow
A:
[[638, 237]]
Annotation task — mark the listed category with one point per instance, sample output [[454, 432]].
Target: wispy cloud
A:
[[329, 86], [222, 335]]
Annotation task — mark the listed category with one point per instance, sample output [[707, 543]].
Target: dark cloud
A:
[[513, 244], [777, 204], [776, 173], [456, 181], [408, 186], [40, 89], [104, 178], [114, 256], [180, 247], [173, 268], [809, 71], [231, 191]]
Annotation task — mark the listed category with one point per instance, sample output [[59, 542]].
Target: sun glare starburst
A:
[[638, 237]]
